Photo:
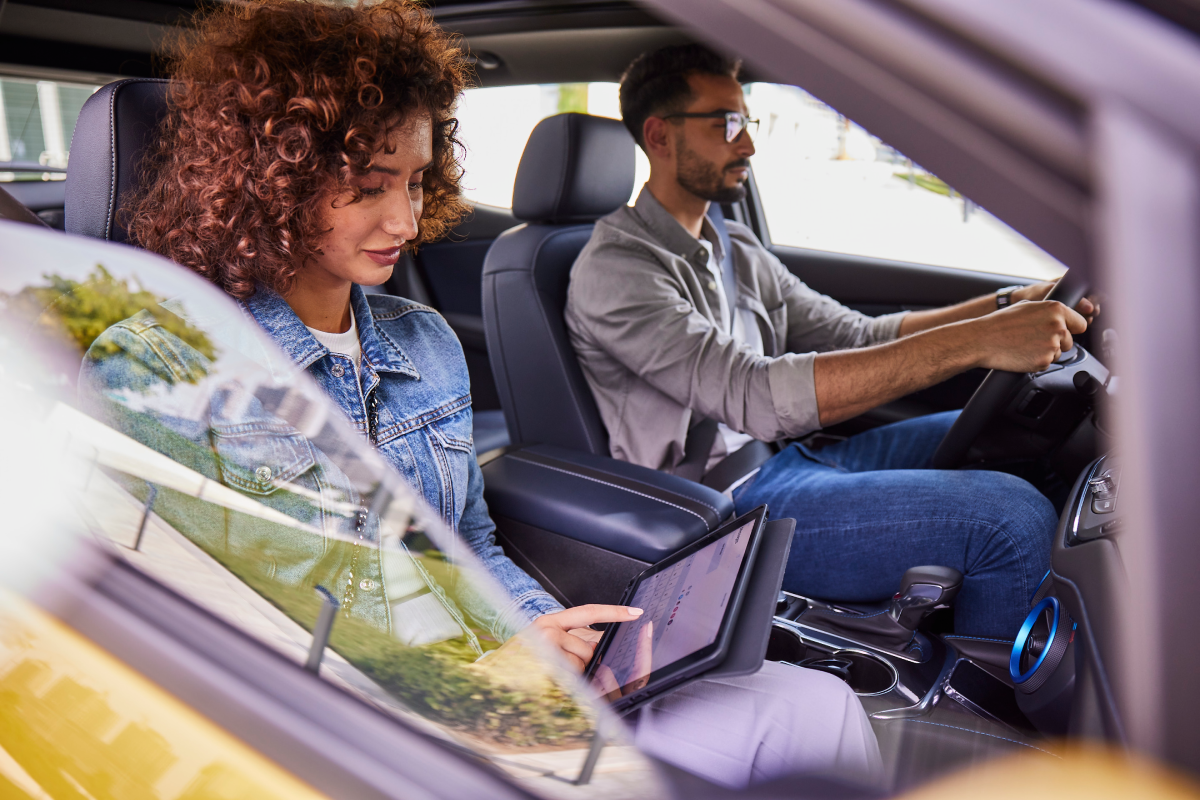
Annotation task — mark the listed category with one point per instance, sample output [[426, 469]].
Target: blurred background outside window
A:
[[825, 183], [36, 125]]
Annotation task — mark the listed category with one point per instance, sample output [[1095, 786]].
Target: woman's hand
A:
[[569, 632], [606, 682]]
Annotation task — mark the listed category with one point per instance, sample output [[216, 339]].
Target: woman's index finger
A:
[[582, 616]]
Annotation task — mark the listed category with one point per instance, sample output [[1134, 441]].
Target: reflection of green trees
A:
[[437, 681], [80, 311]]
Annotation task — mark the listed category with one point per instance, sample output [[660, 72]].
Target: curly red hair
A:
[[274, 106]]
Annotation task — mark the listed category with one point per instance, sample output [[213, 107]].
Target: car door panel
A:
[[877, 286]]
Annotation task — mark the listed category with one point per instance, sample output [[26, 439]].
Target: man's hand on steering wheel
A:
[[1027, 336], [1087, 307]]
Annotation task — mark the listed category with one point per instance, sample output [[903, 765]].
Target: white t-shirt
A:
[[744, 330], [346, 344]]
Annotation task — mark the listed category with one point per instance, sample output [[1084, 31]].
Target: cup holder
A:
[[866, 673], [785, 645]]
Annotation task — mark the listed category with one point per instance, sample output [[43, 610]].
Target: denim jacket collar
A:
[[278, 319], [665, 229]]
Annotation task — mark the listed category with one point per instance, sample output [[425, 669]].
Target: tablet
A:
[[691, 600]]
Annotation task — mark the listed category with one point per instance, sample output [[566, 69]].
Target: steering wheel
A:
[[995, 392]]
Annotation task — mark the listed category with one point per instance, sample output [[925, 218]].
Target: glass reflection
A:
[[211, 463]]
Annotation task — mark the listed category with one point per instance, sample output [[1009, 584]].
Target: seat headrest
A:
[[575, 168], [115, 128]]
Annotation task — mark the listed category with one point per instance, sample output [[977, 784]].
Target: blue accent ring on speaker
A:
[[1014, 660]]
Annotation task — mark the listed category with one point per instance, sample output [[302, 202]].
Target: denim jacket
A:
[[413, 403], [414, 378]]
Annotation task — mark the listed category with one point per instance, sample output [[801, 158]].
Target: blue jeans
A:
[[868, 508]]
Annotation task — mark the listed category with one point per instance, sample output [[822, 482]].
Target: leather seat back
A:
[[575, 169], [114, 129]]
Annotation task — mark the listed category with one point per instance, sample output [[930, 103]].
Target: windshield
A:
[[199, 453]]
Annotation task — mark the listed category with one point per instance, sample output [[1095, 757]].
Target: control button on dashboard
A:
[[1103, 505], [1102, 486]]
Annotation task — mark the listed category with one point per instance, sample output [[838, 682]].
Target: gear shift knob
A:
[[921, 589]]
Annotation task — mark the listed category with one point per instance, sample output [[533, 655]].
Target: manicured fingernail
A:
[[634, 612], [649, 632]]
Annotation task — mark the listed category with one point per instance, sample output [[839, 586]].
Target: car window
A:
[[37, 120], [828, 184], [190, 446], [495, 123]]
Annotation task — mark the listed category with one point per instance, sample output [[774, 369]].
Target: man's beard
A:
[[703, 179]]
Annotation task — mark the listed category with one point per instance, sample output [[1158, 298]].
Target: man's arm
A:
[[917, 321], [1025, 337]]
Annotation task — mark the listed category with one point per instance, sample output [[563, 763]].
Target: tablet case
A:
[[748, 645]]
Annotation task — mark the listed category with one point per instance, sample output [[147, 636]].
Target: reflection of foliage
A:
[[926, 181], [437, 681], [573, 97], [508, 703], [79, 312]]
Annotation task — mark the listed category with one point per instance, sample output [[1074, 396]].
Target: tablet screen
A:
[[684, 606]]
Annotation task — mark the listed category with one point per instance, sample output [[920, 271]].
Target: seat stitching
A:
[[112, 146], [541, 458], [618, 486], [981, 733]]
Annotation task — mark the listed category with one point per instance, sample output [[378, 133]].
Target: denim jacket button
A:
[[366, 584], [263, 474], [338, 370]]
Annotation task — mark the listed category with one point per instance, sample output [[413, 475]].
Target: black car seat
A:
[[115, 127], [575, 169]]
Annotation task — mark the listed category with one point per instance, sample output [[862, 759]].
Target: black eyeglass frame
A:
[[735, 121]]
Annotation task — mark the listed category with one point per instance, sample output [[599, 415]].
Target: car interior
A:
[[583, 523]]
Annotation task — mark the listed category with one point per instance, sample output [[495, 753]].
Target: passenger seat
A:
[[575, 169]]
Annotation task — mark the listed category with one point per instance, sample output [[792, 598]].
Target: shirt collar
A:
[[673, 236], [278, 319]]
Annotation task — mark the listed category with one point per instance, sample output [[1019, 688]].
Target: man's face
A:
[[705, 164]]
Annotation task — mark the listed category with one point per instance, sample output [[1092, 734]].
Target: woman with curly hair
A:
[[305, 147]]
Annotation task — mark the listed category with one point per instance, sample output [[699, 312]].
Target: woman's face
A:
[[365, 238]]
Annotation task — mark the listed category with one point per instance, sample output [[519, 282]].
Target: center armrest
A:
[[624, 508]]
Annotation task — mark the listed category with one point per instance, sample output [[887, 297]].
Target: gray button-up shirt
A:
[[644, 315]]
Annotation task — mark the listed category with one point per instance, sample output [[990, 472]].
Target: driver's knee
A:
[[1007, 547]]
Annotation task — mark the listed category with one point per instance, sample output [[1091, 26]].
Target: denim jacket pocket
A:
[[259, 457]]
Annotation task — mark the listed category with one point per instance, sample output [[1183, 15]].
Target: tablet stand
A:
[[751, 632]]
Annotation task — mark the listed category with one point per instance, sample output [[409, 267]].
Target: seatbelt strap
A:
[[737, 465], [696, 450]]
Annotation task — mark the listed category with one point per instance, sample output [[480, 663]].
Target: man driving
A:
[[693, 353]]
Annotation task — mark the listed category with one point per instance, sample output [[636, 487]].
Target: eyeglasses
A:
[[735, 121]]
